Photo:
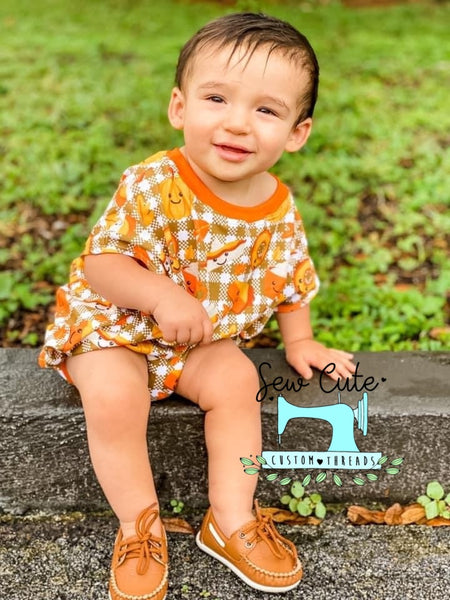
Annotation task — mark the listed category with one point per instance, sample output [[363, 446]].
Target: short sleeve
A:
[[129, 224], [303, 282]]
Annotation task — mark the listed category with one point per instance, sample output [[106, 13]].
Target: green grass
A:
[[83, 93]]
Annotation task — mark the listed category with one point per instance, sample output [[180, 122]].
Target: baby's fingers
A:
[[207, 332], [342, 370], [302, 367]]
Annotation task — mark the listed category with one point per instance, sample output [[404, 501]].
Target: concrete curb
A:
[[64, 557], [45, 464]]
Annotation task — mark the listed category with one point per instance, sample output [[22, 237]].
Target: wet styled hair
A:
[[251, 31]]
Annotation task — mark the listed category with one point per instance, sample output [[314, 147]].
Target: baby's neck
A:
[[245, 192], [250, 192]]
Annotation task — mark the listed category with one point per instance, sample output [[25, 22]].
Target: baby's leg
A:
[[224, 383], [116, 401]]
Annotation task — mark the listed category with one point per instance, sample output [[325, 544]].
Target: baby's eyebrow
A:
[[212, 84], [278, 101]]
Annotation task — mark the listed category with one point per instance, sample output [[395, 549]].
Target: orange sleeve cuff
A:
[[284, 308]]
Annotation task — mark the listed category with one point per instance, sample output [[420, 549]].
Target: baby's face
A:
[[238, 116]]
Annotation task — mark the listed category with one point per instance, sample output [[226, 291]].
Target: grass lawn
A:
[[83, 93]]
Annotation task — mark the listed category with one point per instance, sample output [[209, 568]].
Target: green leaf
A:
[[320, 510], [297, 490], [321, 477], [337, 480], [246, 461], [285, 499], [307, 480], [285, 480], [372, 477], [7, 282], [397, 461], [435, 490], [447, 499], [251, 471], [272, 476], [293, 504], [432, 510], [392, 471], [261, 460], [304, 509], [316, 498], [359, 481], [423, 500], [446, 514], [382, 460]]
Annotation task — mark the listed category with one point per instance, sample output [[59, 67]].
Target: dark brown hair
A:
[[251, 31]]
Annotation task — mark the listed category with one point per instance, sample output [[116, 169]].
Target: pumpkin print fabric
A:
[[242, 263]]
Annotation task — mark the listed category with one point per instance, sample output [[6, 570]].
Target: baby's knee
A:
[[112, 409], [244, 376], [234, 386]]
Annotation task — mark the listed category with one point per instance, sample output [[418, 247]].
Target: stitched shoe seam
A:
[[273, 573], [141, 597]]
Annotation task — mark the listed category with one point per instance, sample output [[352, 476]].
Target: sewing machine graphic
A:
[[340, 416]]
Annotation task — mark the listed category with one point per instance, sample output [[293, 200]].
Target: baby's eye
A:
[[215, 99], [267, 111]]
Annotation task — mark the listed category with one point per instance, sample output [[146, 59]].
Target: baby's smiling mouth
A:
[[236, 149]]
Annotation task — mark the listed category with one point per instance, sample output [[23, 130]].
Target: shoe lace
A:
[[145, 546], [264, 529]]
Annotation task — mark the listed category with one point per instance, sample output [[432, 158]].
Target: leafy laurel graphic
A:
[[391, 468]]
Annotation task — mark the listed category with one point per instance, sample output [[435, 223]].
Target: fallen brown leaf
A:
[[361, 516], [403, 287], [393, 515], [177, 525], [279, 515], [436, 332], [438, 522], [413, 514]]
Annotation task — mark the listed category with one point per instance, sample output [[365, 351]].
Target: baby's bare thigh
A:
[[215, 370], [108, 369]]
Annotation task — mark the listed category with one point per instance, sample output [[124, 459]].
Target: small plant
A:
[[177, 506], [304, 505], [434, 503]]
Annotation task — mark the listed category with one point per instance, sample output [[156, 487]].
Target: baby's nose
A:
[[237, 121]]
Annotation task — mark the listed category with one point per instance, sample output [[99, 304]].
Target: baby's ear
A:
[[176, 109], [299, 136]]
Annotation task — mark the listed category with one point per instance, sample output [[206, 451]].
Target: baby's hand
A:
[[307, 353], [182, 318]]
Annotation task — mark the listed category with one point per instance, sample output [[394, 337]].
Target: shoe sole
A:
[[110, 598], [236, 571]]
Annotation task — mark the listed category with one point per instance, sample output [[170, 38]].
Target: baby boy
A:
[[199, 246]]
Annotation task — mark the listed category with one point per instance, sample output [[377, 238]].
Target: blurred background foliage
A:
[[84, 88]]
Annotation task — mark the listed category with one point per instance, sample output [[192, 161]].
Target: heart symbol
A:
[[383, 379], [320, 461]]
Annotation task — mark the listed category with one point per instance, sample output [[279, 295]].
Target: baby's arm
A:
[[122, 281], [303, 352]]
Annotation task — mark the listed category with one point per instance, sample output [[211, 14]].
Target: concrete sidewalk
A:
[[50, 551], [68, 559]]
